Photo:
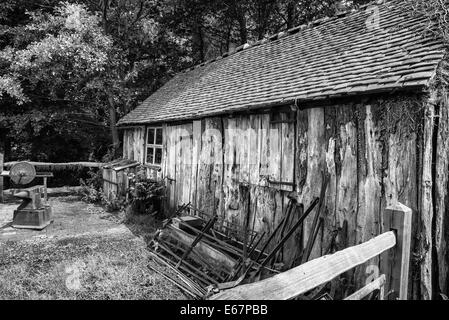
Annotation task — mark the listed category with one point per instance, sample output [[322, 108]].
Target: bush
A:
[[92, 187], [145, 196]]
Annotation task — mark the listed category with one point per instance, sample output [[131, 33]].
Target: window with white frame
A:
[[154, 146]]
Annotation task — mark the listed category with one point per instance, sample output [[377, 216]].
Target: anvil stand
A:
[[32, 213]]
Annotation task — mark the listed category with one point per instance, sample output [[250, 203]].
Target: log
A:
[[299, 280], [53, 191], [60, 166], [441, 195], [426, 203]]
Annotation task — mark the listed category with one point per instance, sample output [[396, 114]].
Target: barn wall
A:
[[441, 209], [134, 144], [369, 150]]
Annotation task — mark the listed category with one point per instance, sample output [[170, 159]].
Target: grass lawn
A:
[[85, 254]]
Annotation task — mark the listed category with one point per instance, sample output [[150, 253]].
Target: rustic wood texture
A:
[[210, 169], [214, 256], [426, 204], [369, 184], [347, 179], [196, 153], [395, 264], [115, 183], [59, 166], [291, 283], [315, 169], [377, 284], [371, 152], [441, 194], [134, 144]]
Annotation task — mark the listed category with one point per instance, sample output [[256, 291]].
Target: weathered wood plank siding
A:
[[371, 152], [134, 144], [442, 195]]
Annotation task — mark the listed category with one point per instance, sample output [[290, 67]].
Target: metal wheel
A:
[[22, 173]]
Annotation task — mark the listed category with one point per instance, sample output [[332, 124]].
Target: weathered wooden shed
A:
[[360, 97]]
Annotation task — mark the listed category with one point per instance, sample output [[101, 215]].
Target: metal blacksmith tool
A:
[[33, 212]]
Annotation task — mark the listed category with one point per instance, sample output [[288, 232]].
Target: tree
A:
[[75, 69], [58, 57], [84, 62]]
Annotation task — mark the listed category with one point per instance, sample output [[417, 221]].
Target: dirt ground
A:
[[86, 253]]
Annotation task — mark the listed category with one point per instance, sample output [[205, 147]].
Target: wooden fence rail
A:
[[60, 166], [393, 245]]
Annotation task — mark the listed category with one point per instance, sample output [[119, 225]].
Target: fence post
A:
[[1, 169], [396, 261]]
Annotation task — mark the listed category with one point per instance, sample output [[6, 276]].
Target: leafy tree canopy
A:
[[69, 70]]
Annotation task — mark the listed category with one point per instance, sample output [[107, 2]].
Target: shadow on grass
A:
[[142, 225], [9, 224]]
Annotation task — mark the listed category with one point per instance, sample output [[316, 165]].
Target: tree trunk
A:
[[112, 110], [241, 20], [2, 150], [113, 126], [291, 14], [198, 42]]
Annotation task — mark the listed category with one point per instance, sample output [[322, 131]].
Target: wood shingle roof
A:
[[349, 54]]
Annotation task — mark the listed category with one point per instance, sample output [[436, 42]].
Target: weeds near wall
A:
[[92, 187], [92, 192], [145, 195]]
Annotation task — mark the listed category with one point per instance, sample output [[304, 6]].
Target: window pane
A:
[[150, 152], [158, 159], [150, 136], [158, 136]]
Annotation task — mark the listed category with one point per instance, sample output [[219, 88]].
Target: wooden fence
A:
[[393, 247]]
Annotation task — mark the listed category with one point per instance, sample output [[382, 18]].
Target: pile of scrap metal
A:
[[206, 254]]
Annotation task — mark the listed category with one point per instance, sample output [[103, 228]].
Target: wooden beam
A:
[[59, 165], [370, 287], [426, 199], [299, 280], [395, 263], [53, 191]]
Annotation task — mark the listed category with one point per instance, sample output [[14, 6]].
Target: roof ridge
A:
[[288, 32]]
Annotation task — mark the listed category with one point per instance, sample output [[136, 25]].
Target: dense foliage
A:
[[70, 69]]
